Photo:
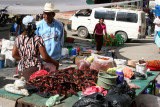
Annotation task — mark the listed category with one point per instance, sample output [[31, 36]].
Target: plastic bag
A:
[[119, 100], [122, 88], [38, 73], [102, 63], [49, 67], [83, 64], [133, 86], [93, 100], [128, 73], [120, 62], [53, 100], [7, 47], [94, 89], [11, 88]]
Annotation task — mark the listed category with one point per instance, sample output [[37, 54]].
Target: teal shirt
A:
[[53, 37]]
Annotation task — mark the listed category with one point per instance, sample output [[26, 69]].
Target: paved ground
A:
[[135, 49]]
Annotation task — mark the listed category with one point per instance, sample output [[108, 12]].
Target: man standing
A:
[[51, 31], [148, 25]]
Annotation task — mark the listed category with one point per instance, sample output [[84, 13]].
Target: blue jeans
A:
[[155, 34], [149, 30]]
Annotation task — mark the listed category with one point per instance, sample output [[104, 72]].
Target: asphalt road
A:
[[135, 49]]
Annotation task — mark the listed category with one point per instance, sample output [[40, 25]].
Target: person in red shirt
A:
[[98, 32]]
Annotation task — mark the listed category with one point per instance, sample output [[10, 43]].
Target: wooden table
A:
[[7, 95], [145, 83], [36, 100]]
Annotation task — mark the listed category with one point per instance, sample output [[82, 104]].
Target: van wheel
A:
[[124, 35], [82, 32]]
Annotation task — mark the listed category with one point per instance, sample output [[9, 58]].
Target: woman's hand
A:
[[46, 57], [105, 36]]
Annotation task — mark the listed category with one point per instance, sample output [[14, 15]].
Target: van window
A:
[[127, 17], [108, 15], [84, 12]]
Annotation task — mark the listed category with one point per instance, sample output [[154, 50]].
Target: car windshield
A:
[[84, 12]]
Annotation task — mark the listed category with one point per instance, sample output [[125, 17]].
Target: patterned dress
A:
[[29, 51]]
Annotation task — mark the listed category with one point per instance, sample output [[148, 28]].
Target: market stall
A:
[[92, 74], [39, 101]]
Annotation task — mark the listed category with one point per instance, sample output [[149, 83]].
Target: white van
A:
[[131, 24]]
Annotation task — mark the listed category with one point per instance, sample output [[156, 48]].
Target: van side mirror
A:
[[76, 15]]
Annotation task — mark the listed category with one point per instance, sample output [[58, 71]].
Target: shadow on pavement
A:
[[148, 40], [4, 81], [131, 43], [79, 42]]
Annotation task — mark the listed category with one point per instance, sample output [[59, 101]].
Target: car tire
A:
[[82, 32], [124, 35]]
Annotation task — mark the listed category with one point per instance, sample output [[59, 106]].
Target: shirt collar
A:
[[53, 22]]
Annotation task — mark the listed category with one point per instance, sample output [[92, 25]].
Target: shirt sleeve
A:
[[62, 36], [95, 29], [40, 42], [155, 20]]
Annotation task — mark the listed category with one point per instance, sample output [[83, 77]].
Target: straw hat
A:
[[48, 7]]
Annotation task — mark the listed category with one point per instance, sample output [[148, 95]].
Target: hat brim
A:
[[48, 11]]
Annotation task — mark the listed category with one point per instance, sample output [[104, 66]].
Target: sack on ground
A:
[[102, 63], [7, 47], [83, 64]]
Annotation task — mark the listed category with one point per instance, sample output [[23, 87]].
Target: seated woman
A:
[[27, 49]]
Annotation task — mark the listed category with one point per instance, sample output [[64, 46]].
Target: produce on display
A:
[[90, 59], [65, 82], [102, 65], [112, 70], [128, 73], [83, 64], [104, 58], [38, 73], [153, 65], [132, 63]]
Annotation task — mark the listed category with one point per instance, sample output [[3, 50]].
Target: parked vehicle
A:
[[131, 24]]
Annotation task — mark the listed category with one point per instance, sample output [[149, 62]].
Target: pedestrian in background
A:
[[157, 26], [148, 25], [15, 29], [51, 31], [98, 32], [157, 41]]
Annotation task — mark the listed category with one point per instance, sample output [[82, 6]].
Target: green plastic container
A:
[[106, 80], [70, 49]]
